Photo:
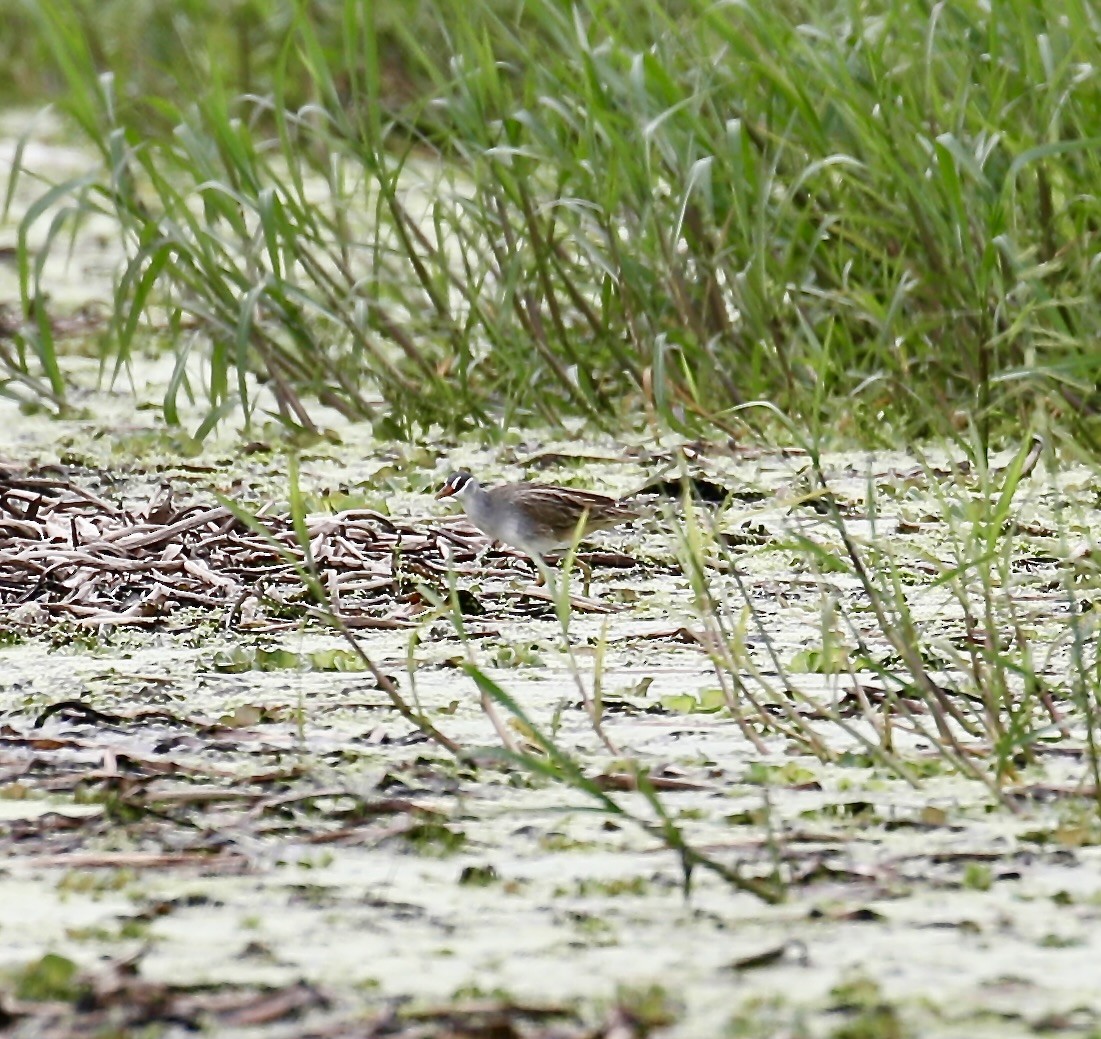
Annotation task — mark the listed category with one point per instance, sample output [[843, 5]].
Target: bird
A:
[[535, 517]]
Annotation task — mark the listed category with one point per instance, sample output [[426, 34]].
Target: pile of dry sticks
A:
[[67, 553]]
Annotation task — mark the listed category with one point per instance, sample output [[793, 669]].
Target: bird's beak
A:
[[445, 492]]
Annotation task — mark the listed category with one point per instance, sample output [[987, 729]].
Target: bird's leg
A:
[[547, 576], [587, 576], [541, 566], [480, 555], [586, 571]]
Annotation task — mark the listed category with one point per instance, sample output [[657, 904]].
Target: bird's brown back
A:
[[557, 510]]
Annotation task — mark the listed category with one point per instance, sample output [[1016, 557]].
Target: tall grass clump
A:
[[882, 222]]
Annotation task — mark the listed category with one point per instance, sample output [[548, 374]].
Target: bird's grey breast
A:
[[501, 520]]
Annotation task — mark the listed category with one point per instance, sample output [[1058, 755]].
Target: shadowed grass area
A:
[[882, 223]]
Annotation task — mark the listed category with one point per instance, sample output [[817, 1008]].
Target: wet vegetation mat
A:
[[809, 749], [822, 763]]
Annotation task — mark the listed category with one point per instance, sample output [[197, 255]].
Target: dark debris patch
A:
[[69, 555], [52, 998], [186, 790]]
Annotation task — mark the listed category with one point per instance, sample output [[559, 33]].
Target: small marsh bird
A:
[[535, 517]]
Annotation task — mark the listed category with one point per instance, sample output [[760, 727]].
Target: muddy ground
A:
[[211, 817], [208, 820]]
